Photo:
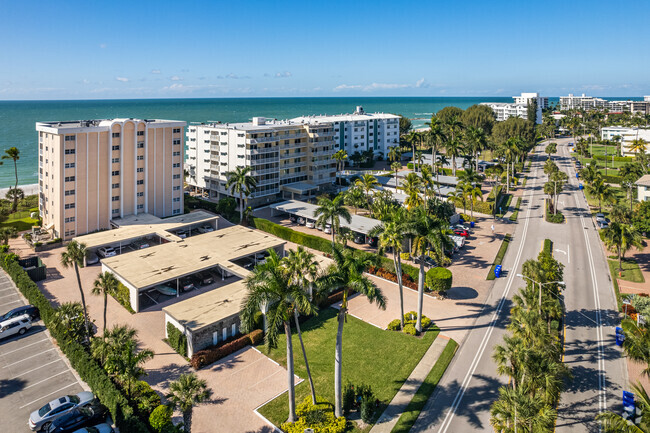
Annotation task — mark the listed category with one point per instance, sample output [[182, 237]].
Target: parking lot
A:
[[32, 372]]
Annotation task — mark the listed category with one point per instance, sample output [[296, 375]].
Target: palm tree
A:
[[347, 273], [331, 211], [105, 284], [367, 183], [516, 409], [68, 317], [476, 142], [638, 145], [14, 154], [453, 148], [396, 167], [453, 145], [510, 358], [15, 194], [621, 238], [128, 366], [394, 154], [427, 182], [7, 233], [272, 286], [509, 150], [242, 183], [114, 339], [436, 137], [602, 191], [590, 173], [339, 156], [413, 137], [412, 186], [354, 197], [75, 255], [473, 193], [303, 270], [614, 422], [185, 393]]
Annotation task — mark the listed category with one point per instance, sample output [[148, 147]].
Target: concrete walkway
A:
[[398, 405]]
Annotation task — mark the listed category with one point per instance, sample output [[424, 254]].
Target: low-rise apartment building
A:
[[92, 171], [627, 136], [288, 158], [584, 102], [519, 108], [643, 188]]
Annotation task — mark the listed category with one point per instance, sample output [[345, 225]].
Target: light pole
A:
[[559, 283]]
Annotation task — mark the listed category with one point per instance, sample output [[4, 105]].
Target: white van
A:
[[15, 325]]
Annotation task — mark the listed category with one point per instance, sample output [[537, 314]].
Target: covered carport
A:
[[299, 190]]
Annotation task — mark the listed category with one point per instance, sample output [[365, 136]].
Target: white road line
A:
[[47, 395], [37, 368], [10, 302], [29, 357], [486, 338], [47, 378], [6, 296], [4, 290], [568, 252], [21, 348]]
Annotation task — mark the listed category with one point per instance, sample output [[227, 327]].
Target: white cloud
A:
[[420, 84], [285, 74], [233, 77], [122, 79], [176, 78], [155, 71], [85, 81], [346, 87]]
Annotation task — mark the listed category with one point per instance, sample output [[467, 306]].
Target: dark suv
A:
[[25, 309], [78, 418]]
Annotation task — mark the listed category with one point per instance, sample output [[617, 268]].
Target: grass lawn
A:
[[619, 193], [20, 220], [371, 356], [631, 270]]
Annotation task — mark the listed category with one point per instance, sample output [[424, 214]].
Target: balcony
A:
[[259, 140], [261, 151], [264, 171], [268, 182], [293, 155], [264, 193], [293, 164]]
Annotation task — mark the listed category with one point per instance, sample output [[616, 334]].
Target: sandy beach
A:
[[27, 189]]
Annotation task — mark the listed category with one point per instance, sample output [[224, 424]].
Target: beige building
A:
[[643, 188], [93, 171]]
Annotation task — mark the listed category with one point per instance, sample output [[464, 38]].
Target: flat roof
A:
[[358, 223], [160, 263], [210, 307], [298, 187], [142, 225]]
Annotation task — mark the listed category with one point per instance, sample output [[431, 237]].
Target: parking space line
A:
[[24, 359], [37, 368], [47, 395], [6, 296], [47, 378], [10, 302], [22, 347], [8, 288]]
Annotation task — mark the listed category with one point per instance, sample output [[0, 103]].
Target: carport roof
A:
[[303, 209], [209, 307], [142, 225], [158, 264]]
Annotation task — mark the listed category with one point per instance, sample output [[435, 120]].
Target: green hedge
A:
[[612, 179], [310, 241], [177, 340], [515, 214], [86, 366], [123, 297], [499, 258], [616, 158], [548, 246], [439, 279], [555, 218]]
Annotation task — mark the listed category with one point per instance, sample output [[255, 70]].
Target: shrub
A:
[[320, 418], [123, 297], [405, 256], [410, 329], [426, 322], [38, 244], [410, 316], [348, 397], [4, 248], [212, 354], [438, 279], [310, 241], [144, 398], [394, 325], [160, 418], [367, 409], [548, 246], [177, 340]]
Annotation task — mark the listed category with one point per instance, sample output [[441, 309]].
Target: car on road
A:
[[42, 418], [461, 232], [30, 310], [302, 221], [99, 428], [206, 229], [78, 418], [15, 326], [106, 252]]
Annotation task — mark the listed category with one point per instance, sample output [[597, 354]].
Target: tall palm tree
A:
[[239, 181], [185, 393], [602, 191], [15, 194], [414, 137], [367, 183], [396, 167], [476, 140], [453, 145], [638, 145], [412, 186], [105, 284], [620, 237], [427, 182], [75, 255], [14, 154], [516, 410], [330, 212], [436, 137], [510, 358], [347, 273], [111, 345], [339, 156], [271, 285], [354, 197], [394, 154], [473, 193], [509, 150], [67, 317], [453, 149]]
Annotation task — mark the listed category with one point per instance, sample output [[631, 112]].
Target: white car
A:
[[16, 325], [42, 418], [181, 234], [99, 428], [106, 252], [310, 224], [328, 229], [205, 229], [301, 221]]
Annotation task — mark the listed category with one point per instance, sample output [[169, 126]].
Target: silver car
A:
[[42, 418]]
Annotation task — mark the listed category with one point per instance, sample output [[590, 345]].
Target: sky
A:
[[171, 49]]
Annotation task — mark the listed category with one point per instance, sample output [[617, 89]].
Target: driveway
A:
[[32, 371]]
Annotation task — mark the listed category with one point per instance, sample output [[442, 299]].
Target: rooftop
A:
[[158, 264], [101, 123], [644, 180], [358, 223]]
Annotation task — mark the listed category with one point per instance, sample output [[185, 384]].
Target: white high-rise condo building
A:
[[627, 136], [93, 171], [584, 102], [519, 108], [288, 158]]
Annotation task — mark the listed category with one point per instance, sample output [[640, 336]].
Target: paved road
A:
[[463, 398]]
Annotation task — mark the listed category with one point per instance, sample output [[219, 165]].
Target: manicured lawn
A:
[[499, 258], [631, 270], [619, 194], [20, 220], [371, 356]]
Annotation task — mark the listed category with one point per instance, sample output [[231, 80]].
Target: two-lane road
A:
[[463, 398]]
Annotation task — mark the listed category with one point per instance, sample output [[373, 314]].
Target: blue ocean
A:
[[17, 118]]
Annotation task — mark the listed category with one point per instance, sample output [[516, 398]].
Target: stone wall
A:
[[204, 337]]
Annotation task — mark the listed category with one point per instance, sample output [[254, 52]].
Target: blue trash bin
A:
[[497, 271], [577, 176], [581, 186], [471, 224]]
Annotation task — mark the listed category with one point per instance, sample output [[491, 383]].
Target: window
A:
[[69, 233], [115, 173], [115, 198], [176, 188], [140, 133], [116, 186], [69, 179], [176, 176], [141, 194], [69, 165], [115, 135], [69, 205], [140, 170], [69, 151], [141, 145], [178, 164], [70, 137], [69, 192], [140, 157], [140, 182], [115, 160], [178, 140], [140, 206], [179, 154], [116, 147], [69, 220], [176, 199], [115, 211], [176, 130], [176, 211]]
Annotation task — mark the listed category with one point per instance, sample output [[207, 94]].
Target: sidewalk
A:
[[398, 405]]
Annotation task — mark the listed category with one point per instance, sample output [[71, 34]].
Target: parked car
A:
[[600, 217], [359, 239], [292, 218], [328, 229], [99, 428], [30, 310], [140, 244], [164, 289], [461, 232], [79, 417], [91, 258], [204, 278], [43, 418], [602, 224], [302, 221], [15, 326], [310, 224], [205, 229], [458, 240], [187, 284], [181, 234], [106, 252], [373, 241]]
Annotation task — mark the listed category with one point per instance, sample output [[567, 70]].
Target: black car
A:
[[359, 239], [373, 241], [78, 418], [25, 309], [204, 278]]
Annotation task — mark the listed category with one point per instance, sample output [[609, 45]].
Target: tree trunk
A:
[[291, 392], [555, 198], [83, 301], [507, 180], [16, 186], [415, 169], [338, 360], [187, 420], [476, 159], [620, 264], [453, 165], [539, 309], [241, 208], [332, 228], [418, 324], [304, 355], [398, 270], [105, 302]]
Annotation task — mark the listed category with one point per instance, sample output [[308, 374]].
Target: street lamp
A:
[[559, 283]]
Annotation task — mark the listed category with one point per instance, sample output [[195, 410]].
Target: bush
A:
[[394, 325], [405, 256], [212, 354], [320, 418], [348, 396], [177, 340], [310, 241], [4, 248], [160, 418], [548, 246], [410, 329], [499, 258], [367, 409], [438, 279], [555, 218], [123, 297], [426, 322], [144, 398]]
